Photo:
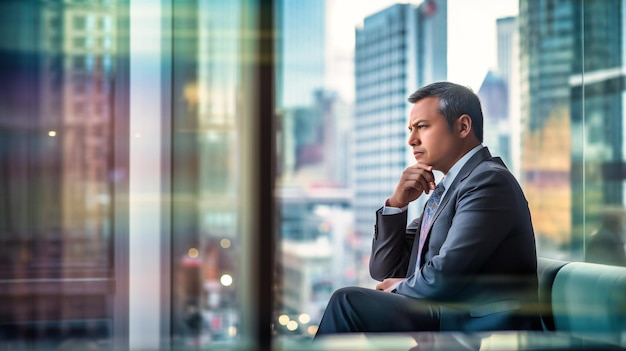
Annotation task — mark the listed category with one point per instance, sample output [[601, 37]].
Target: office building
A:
[[301, 47], [494, 98], [572, 153], [398, 50], [508, 68], [506, 32]]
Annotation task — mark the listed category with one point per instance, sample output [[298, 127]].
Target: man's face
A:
[[431, 139]]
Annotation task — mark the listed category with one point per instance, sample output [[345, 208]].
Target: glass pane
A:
[[572, 102], [548, 75], [599, 96], [206, 179], [57, 172], [550, 134], [548, 79], [345, 72]]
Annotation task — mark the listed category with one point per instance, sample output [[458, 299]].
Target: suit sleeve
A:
[[482, 214], [391, 245]]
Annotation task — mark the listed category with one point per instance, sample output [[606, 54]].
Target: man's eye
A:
[[421, 126]]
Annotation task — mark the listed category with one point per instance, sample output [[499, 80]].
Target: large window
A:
[[59, 174], [204, 173]]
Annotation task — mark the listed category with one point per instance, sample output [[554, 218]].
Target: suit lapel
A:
[[480, 156]]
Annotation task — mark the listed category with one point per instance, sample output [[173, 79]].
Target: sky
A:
[[471, 38]]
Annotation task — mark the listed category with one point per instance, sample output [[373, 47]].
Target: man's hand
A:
[[415, 180], [388, 284]]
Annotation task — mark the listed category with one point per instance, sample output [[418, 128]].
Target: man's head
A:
[[454, 101], [446, 122]]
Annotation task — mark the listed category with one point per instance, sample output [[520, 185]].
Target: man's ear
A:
[[464, 125]]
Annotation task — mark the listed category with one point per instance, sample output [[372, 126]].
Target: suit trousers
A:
[[355, 309]]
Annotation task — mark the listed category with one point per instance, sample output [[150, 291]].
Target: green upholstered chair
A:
[[587, 299]]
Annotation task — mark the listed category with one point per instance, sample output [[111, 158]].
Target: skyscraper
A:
[[572, 152], [545, 114], [499, 97], [301, 51], [508, 68], [494, 97], [506, 31], [398, 50], [300, 79]]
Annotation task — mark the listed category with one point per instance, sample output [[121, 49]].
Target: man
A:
[[469, 262]]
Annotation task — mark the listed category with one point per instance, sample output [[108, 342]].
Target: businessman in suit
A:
[[469, 262]]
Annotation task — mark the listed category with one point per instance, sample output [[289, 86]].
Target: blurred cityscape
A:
[[554, 111]]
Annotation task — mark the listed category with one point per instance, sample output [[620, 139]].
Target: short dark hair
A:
[[454, 101]]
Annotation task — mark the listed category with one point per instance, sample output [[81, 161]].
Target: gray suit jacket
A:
[[479, 261]]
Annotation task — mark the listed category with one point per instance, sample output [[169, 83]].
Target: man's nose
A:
[[413, 139]]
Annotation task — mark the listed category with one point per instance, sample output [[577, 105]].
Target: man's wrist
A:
[[389, 203]]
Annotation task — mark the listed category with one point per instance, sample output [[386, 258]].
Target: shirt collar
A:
[[456, 168]]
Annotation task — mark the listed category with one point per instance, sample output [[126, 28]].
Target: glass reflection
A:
[[205, 181], [56, 170], [551, 81]]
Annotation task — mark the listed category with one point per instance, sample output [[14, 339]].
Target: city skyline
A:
[[137, 170], [344, 16]]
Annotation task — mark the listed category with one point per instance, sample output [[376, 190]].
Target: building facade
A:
[[398, 50], [572, 153]]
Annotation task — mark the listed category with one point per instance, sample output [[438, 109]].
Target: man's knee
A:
[[347, 292], [348, 296]]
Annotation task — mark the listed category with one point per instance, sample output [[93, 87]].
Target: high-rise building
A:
[[306, 118], [545, 115], [398, 50], [506, 31], [572, 152], [508, 69], [301, 49], [494, 97], [499, 96]]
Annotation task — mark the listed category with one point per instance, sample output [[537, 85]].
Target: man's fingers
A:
[[422, 171], [420, 182], [415, 180], [422, 186]]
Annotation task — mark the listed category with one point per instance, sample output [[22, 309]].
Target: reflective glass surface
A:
[[138, 159]]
